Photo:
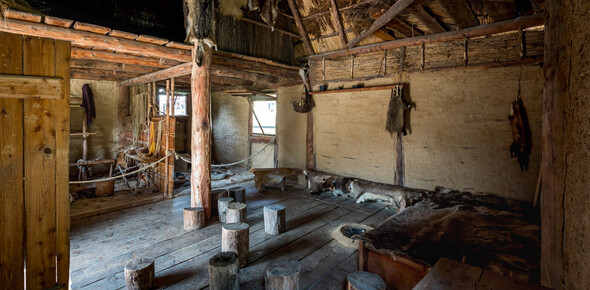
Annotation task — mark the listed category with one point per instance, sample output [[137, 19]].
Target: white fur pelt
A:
[[397, 196]]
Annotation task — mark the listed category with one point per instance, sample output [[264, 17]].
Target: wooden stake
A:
[[216, 195], [236, 213], [274, 219], [201, 130], [222, 207], [282, 274], [238, 194], [140, 274], [224, 271], [235, 238], [194, 218]]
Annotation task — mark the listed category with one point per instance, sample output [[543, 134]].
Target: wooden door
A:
[[34, 148]]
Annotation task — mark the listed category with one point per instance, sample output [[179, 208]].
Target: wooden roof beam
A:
[[403, 28], [477, 31], [338, 22], [391, 13], [300, 27], [460, 12], [425, 18], [89, 54]]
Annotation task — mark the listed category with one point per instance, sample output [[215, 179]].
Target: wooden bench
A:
[[264, 176]]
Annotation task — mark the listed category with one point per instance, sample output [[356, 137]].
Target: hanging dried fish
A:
[[270, 12]]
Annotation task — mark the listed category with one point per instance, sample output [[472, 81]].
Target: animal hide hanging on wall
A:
[[269, 12], [199, 22], [521, 134], [396, 113]]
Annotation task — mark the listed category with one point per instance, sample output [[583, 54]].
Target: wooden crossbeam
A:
[[337, 22], [403, 28], [481, 30], [300, 27], [460, 12], [29, 87], [391, 13], [425, 18]]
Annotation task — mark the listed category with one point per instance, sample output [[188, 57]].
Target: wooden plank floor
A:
[[102, 245]]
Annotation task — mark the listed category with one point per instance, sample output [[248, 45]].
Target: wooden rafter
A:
[[391, 13], [482, 30], [425, 18], [403, 28], [460, 12], [337, 22], [300, 27]]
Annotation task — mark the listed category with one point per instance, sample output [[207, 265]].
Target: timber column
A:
[[201, 128]]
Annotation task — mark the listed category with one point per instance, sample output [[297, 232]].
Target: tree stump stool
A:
[[238, 193], [361, 280], [274, 219], [236, 213], [224, 271], [235, 237], [194, 218], [282, 274], [215, 196], [140, 274], [222, 204]]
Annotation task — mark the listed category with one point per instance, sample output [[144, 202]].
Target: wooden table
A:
[[263, 176], [450, 274]]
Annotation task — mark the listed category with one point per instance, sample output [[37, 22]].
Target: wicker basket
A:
[[306, 107]]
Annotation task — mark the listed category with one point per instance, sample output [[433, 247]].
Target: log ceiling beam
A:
[[338, 22], [460, 12], [300, 27], [391, 13], [105, 65], [418, 11], [89, 54], [482, 30], [403, 28]]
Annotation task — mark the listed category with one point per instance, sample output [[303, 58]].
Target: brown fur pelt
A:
[[269, 12], [319, 182], [396, 113], [504, 241], [521, 134], [199, 22]]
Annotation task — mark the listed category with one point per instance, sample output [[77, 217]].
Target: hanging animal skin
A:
[[269, 12], [521, 134], [253, 5], [199, 22]]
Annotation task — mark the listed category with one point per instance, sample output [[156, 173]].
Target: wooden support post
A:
[[140, 274], [402, 58], [274, 219], [282, 274], [399, 160], [236, 213], [201, 131], [238, 194], [222, 207], [194, 218], [224, 271], [166, 134], [171, 139], [364, 280], [235, 238], [216, 195], [309, 154]]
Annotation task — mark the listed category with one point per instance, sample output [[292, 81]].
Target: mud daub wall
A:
[[103, 145], [230, 127], [460, 134]]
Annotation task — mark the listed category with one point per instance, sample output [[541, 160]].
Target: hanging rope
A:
[[178, 156]]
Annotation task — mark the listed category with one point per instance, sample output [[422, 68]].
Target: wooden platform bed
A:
[[481, 230]]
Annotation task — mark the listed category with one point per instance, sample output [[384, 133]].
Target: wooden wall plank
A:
[[62, 141], [28, 87], [11, 171], [39, 150]]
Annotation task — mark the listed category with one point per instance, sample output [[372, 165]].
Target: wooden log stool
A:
[[222, 204], [216, 195], [140, 274], [238, 193], [235, 237], [194, 218], [282, 274], [224, 271], [236, 213], [361, 280], [274, 219]]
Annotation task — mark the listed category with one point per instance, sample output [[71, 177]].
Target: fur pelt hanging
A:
[[396, 113], [253, 5], [521, 134], [305, 104], [269, 12], [199, 22]]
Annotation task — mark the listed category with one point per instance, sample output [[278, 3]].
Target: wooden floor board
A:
[[102, 245]]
